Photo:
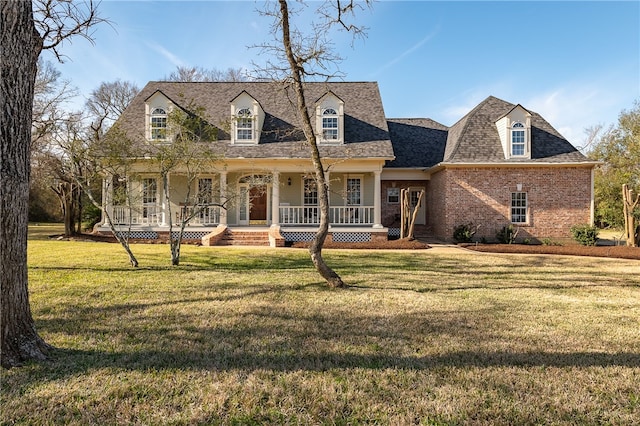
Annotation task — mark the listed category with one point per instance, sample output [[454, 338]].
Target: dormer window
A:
[[518, 140], [330, 124], [330, 119], [244, 125], [158, 124]]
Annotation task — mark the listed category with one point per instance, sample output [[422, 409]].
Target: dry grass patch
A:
[[251, 336]]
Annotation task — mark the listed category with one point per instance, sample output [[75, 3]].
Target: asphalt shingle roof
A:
[[473, 139], [417, 142], [365, 127]]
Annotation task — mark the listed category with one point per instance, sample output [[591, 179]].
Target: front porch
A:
[[292, 224]]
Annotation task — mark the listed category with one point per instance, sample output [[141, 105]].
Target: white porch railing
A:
[[310, 215], [142, 215], [152, 215], [203, 215]]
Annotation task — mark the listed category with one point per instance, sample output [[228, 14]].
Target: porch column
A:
[[223, 197], [327, 179], [107, 199], [164, 205], [275, 199], [377, 213]]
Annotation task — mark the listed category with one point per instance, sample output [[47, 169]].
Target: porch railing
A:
[[152, 215], [203, 215], [342, 215], [143, 215]]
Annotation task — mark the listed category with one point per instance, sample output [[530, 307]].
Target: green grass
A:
[[252, 336]]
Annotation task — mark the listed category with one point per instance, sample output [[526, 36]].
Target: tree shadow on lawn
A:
[[70, 362], [270, 340]]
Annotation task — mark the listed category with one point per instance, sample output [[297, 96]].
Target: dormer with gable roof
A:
[[247, 119], [514, 129], [330, 119], [157, 109]]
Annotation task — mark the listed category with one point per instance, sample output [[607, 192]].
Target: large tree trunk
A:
[[315, 249], [632, 233], [21, 46]]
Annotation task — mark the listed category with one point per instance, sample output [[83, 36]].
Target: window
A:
[[244, 125], [393, 195], [158, 124], [354, 187], [310, 196], [205, 187], [149, 197], [518, 207], [330, 124], [518, 139]]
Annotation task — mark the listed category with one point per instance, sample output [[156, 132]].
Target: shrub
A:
[[507, 235], [550, 242], [464, 233], [586, 235]]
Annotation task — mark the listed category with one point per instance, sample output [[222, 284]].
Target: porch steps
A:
[[244, 238]]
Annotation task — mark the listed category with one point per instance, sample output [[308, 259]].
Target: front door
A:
[[258, 205]]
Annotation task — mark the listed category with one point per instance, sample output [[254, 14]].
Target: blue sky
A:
[[577, 62]]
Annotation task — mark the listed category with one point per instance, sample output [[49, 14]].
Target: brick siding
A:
[[557, 198], [390, 212]]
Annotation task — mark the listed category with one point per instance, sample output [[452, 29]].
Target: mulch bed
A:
[[622, 252], [402, 244]]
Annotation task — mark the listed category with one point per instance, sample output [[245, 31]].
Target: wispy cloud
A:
[[407, 52], [174, 59]]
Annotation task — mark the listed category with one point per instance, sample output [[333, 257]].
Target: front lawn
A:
[[252, 336]]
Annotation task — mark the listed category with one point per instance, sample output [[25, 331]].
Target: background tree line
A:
[[618, 148]]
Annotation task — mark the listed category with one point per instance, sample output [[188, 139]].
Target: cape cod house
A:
[[500, 164]]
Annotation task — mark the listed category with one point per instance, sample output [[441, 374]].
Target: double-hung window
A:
[[393, 195], [518, 140], [244, 125], [310, 196], [205, 188], [149, 198], [158, 124], [519, 207], [329, 124], [354, 191]]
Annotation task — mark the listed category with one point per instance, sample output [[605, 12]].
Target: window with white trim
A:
[[330, 124], [149, 197], [354, 191], [310, 195], [244, 125], [519, 207], [158, 124], [518, 140], [393, 195], [205, 191]]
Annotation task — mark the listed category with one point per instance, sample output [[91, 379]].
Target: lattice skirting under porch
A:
[[338, 237], [140, 235], [189, 235]]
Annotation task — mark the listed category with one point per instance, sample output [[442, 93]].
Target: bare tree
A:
[[301, 56], [199, 74], [108, 102], [189, 153], [25, 29], [51, 93]]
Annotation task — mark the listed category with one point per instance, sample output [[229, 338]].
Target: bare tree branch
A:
[[57, 21]]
